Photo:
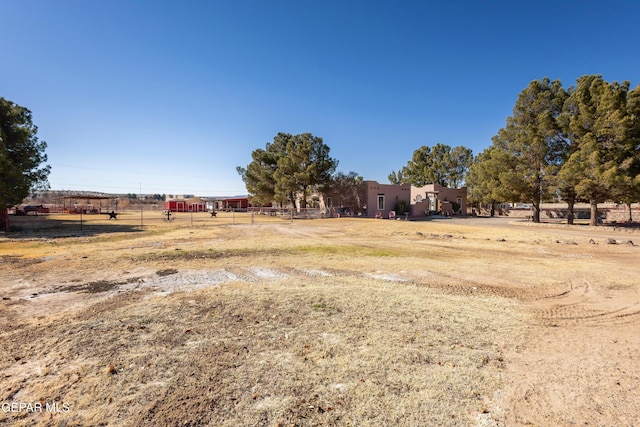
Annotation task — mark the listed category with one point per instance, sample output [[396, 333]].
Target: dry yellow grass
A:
[[327, 322]]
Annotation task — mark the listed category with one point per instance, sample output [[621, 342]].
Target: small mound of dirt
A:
[[16, 261], [95, 287], [166, 272]]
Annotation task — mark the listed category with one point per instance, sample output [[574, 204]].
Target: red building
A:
[[182, 205]]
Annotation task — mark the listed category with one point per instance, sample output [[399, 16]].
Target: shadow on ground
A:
[[29, 227]]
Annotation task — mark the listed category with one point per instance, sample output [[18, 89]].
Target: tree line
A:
[[580, 144], [295, 167]]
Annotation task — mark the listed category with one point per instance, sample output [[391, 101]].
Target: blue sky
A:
[[169, 97]]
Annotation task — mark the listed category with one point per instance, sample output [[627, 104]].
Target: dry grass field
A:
[[337, 322]]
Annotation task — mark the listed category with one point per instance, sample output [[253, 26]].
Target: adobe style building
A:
[[433, 199]]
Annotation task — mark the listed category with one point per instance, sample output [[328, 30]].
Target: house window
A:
[[329, 202], [380, 202]]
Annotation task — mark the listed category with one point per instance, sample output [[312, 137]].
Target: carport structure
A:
[[88, 204]]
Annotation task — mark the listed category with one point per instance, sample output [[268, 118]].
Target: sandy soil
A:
[[580, 365], [577, 366]]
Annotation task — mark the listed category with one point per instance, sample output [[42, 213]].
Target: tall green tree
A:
[[344, 189], [307, 167], [428, 166], [626, 185], [22, 157], [397, 177], [597, 123], [291, 167], [565, 182], [533, 141], [484, 183], [439, 164], [460, 159], [258, 176]]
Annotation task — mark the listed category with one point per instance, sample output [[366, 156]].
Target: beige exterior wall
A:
[[439, 199], [422, 201], [391, 194]]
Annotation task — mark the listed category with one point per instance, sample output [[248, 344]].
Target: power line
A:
[[59, 186], [136, 172]]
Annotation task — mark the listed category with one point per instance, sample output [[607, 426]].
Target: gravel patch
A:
[[386, 277], [267, 273], [317, 273], [183, 280]]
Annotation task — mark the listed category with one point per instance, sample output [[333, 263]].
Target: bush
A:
[[401, 207]]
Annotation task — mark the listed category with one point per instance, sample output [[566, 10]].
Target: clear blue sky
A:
[[170, 96]]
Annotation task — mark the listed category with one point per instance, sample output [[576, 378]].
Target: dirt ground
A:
[[580, 365], [485, 322]]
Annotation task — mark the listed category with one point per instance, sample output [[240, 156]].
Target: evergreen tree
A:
[[345, 190], [532, 142], [397, 177], [291, 166], [626, 185], [21, 157], [597, 124], [460, 159], [484, 179], [258, 176], [439, 164]]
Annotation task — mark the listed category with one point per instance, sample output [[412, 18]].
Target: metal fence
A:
[[138, 220], [289, 213]]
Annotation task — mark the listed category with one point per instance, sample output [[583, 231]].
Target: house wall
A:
[[392, 195], [421, 200], [443, 197]]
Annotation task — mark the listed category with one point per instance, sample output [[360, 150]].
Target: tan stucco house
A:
[[379, 200]]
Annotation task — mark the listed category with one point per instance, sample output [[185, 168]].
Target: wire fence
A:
[[63, 224]]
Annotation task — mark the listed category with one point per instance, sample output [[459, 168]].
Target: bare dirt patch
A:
[[328, 322]]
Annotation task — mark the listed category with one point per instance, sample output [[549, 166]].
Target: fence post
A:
[[4, 217]]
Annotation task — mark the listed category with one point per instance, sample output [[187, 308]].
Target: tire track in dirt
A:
[[586, 306], [578, 365], [580, 305]]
